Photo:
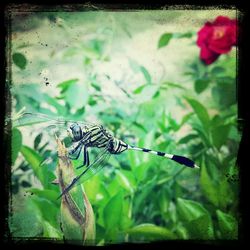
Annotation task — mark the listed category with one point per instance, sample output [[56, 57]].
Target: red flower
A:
[[216, 38]]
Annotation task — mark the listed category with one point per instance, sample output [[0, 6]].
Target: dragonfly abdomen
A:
[[177, 158], [117, 146]]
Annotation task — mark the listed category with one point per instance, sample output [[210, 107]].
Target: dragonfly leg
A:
[[74, 153], [85, 158]]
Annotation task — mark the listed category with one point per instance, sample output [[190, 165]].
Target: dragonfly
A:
[[85, 135]]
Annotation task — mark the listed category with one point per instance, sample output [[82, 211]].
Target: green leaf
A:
[[89, 52], [200, 228], [47, 214], [66, 84], [112, 213], [124, 181], [50, 231], [196, 218], [184, 35], [52, 101], [200, 111], [145, 74], [190, 210], [187, 138], [163, 200], [16, 143], [218, 70], [220, 135], [228, 226], [171, 84], [200, 85], [48, 194], [164, 40], [224, 93], [149, 232], [19, 60], [139, 89], [157, 93], [37, 140], [34, 160], [96, 86], [77, 95], [209, 187], [21, 221]]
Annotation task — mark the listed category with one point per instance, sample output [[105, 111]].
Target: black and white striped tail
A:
[[180, 159]]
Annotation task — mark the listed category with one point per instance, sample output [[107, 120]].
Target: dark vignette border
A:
[[243, 114]]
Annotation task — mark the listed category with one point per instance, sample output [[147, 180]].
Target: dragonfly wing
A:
[[88, 172], [33, 118]]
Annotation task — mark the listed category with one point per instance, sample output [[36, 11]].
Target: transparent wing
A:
[[41, 123], [91, 170], [33, 118]]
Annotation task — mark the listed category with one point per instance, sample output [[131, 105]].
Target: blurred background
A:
[[139, 74]]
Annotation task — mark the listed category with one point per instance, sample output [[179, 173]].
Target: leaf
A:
[[224, 95], [66, 84], [196, 218], [16, 143], [51, 232], [164, 40], [228, 226], [124, 181], [37, 140], [48, 194], [220, 135], [185, 118], [112, 213], [52, 101], [46, 214], [218, 70], [200, 85], [20, 222], [209, 187], [139, 89], [190, 210], [200, 111], [77, 95], [34, 160], [19, 60], [163, 200], [187, 138], [149, 232], [200, 228], [145, 74], [184, 35], [89, 52], [157, 93], [165, 85], [96, 86]]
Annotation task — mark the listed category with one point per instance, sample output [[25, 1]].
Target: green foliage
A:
[[136, 197], [150, 232], [228, 225], [197, 219], [19, 60], [201, 85], [164, 40], [16, 143]]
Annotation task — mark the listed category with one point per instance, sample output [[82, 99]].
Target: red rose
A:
[[216, 38]]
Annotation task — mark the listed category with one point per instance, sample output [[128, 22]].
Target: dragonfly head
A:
[[75, 132]]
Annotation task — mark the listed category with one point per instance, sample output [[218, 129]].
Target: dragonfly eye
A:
[[76, 132]]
